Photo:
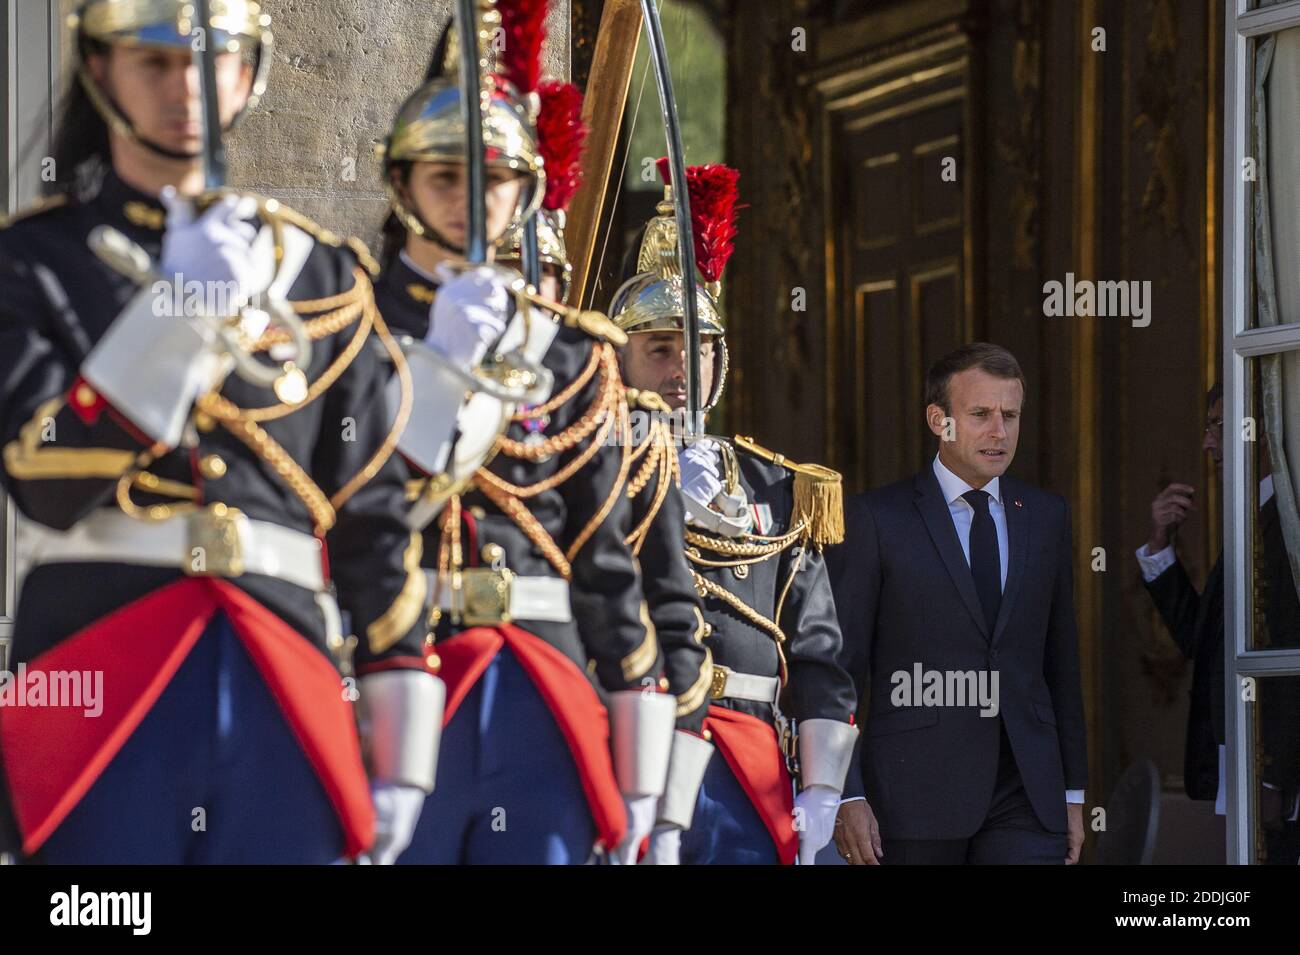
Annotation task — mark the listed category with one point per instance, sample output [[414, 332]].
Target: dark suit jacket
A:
[[1195, 621], [905, 595]]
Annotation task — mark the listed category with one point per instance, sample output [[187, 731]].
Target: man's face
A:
[[158, 91], [986, 416], [1213, 442], [656, 361], [438, 192]]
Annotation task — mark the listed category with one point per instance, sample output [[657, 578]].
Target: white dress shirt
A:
[[963, 514], [1153, 565]]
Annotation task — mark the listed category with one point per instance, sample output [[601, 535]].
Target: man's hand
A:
[[857, 836], [1168, 511], [1074, 835]]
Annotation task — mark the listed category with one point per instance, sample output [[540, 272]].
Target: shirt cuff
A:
[[852, 799], [1074, 796], [1153, 565]]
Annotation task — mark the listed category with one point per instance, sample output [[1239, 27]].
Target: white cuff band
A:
[[690, 759], [403, 718], [825, 750], [641, 724], [151, 365]]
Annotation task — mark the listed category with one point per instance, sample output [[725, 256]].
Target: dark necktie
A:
[[985, 561]]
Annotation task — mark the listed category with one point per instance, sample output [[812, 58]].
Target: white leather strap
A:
[[531, 598], [744, 686], [113, 537]]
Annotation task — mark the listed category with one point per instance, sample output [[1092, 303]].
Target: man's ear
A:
[[399, 179], [97, 65], [934, 417]]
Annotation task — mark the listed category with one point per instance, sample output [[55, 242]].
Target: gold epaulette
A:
[[326, 237], [43, 204], [818, 494]]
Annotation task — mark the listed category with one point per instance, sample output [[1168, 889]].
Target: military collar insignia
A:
[[144, 215], [421, 292]]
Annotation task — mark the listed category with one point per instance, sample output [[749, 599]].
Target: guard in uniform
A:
[[781, 707], [551, 745], [186, 528], [653, 483], [659, 523]]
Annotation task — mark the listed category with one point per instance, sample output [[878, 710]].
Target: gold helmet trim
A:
[[118, 21], [654, 300], [430, 127], [551, 249], [652, 303]]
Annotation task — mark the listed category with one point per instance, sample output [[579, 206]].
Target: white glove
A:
[[816, 808], [701, 478], [641, 811], [397, 810], [469, 313], [665, 847], [705, 497], [215, 248]]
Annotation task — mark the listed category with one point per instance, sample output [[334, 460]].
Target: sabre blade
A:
[[471, 103], [205, 59], [682, 210]]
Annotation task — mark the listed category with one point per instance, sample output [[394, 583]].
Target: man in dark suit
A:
[[956, 599], [1195, 621]]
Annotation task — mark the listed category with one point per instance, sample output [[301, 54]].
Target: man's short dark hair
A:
[[991, 359]]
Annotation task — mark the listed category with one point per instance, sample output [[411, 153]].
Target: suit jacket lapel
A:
[[938, 520], [1018, 518]]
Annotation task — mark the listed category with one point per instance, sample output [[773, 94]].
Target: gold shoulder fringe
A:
[[43, 204], [818, 494]]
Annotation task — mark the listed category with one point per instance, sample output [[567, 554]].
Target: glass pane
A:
[[1276, 763], [1271, 175], [697, 55], [1273, 499], [1260, 4]]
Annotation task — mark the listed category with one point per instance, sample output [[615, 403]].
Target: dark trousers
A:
[[508, 790], [1011, 833], [726, 828], [213, 774]]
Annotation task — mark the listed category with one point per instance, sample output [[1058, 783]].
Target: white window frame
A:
[[1241, 344], [31, 33]]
